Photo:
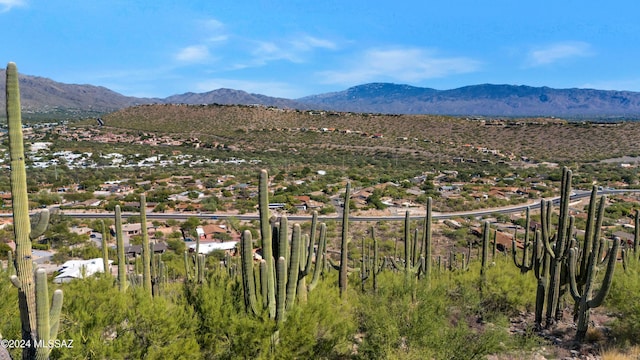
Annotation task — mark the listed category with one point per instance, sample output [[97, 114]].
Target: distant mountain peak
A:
[[483, 99], [40, 94]]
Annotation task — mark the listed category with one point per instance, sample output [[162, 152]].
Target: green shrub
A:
[[624, 300]]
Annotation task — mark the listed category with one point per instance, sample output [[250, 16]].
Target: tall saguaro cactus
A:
[[559, 251], [28, 292], [146, 252], [428, 224], [485, 255], [105, 250], [122, 270], [267, 247], [248, 281], [342, 276], [584, 297]]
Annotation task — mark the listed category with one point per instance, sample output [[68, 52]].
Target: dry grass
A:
[[632, 353]]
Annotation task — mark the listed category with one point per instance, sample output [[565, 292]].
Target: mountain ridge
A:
[[42, 95]]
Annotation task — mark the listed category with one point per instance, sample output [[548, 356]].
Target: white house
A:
[[209, 247], [78, 269]]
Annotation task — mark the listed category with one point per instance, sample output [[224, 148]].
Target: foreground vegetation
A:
[[451, 319]]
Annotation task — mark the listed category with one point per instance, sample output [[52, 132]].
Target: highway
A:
[[576, 195]]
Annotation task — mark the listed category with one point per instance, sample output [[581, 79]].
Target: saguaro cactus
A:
[[585, 299], [291, 277], [559, 251], [428, 224], [248, 280], [636, 235], [320, 256], [122, 267], [29, 292], [267, 248], [410, 267], [342, 275], [527, 263], [146, 253], [485, 255], [105, 250]]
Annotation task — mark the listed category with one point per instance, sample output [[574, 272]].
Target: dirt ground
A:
[[559, 340]]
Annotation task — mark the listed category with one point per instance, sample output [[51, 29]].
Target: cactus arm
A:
[[545, 219], [514, 254], [588, 244], [201, 268], [301, 289], [283, 238], [395, 264], [523, 266], [573, 283], [319, 257], [40, 226], [312, 240], [246, 253], [42, 306], [187, 270], [333, 265], [309, 242], [608, 277], [291, 280], [15, 281], [538, 254], [281, 290], [263, 283]]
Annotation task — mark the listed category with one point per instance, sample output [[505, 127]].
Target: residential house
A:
[[78, 269], [213, 232], [206, 248]]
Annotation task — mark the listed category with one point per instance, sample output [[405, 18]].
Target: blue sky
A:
[[297, 48]]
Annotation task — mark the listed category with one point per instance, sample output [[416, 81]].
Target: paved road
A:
[[576, 195]]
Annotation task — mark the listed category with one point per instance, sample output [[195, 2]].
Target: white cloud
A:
[[194, 53], [266, 51], [269, 88], [6, 5], [212, 35], [307, 43], [400, 64], [559, 51], [218, 38], [212, 24], [294, 50], [214, 30]]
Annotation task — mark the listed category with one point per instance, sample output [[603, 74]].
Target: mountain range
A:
[[43, 95]]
